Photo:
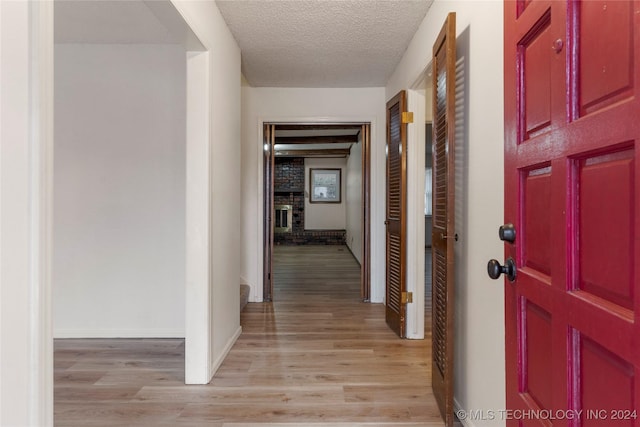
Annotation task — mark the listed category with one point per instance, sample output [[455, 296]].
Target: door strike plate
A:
[[407, 298], [407, 117]]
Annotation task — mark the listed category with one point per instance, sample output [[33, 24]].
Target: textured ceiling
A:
[[322, 43], [284, 43]]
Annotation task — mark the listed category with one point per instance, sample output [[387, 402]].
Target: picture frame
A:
[[325, 185]]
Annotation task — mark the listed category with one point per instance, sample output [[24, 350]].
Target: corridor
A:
[[315, 356]]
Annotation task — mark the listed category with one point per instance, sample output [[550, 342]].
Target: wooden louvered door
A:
[[269, 176], [443, 231], [396, 213], [365, 265], [572, 310]]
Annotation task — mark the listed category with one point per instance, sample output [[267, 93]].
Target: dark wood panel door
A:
[[365, 265], [396, 214], [443, 228], [268, 210], [571, 192]]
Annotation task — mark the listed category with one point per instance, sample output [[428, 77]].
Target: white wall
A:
[[216, 293], [354, 200], [119, 186], [307, 105], [479, 355], [325, 216]]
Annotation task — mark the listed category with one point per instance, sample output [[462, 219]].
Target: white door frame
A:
[[26, 166], [376, 292], [415, 211]]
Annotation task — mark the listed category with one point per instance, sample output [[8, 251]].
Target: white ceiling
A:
[[322, 43], [284, 43]]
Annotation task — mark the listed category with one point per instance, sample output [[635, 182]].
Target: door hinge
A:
[[407, 117], [407, 298]]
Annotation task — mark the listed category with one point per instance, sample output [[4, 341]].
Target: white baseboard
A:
[[118, 333], [227, 348], [252, 296], [458, 407], [491, 419]]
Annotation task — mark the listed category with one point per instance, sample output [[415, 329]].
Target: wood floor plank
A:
[[282, 412], [328, 394], [107, 413], [316, 356], [336, 424]]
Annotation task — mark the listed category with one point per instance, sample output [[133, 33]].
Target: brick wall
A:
[[289, 173], [312, 237], [289, 190]]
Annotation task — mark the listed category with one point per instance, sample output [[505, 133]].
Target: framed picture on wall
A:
[[324, 185]]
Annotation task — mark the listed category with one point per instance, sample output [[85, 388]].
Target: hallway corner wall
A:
[[224, 92]]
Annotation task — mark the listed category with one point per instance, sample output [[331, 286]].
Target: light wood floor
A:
[[316, 356]]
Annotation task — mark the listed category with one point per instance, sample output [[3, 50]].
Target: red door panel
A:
[[536, 224], [572, 127], [606, 385], [537, 360], [536, 78], [604, 195], [605, 56]]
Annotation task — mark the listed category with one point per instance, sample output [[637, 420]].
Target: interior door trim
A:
[[268, 197]]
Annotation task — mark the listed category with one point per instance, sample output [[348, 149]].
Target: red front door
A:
[[572, 123]]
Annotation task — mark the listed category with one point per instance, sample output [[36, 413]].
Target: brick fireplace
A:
[[289, 191]]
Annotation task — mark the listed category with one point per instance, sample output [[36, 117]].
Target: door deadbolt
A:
[[507, 233]]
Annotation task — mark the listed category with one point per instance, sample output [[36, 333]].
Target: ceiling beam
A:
[[342, 152], [346, 126], [338, 139]]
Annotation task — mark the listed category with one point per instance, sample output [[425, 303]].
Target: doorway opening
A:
[[318, 176]]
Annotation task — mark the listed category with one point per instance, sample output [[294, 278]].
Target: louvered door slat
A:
[[440, 311], [396, 202], [443, 231]]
